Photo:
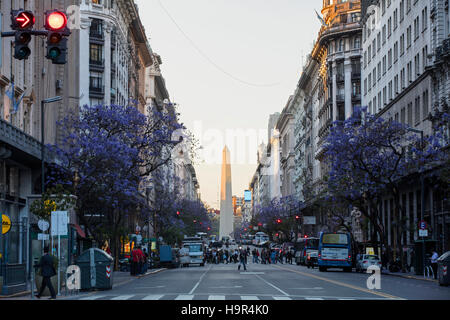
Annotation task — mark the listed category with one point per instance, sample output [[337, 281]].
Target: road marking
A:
[[93, 298], [184, 297], [273, 286], [313, 298], [123, 297], [235, 287], [282, 298], [346, 299], [201, 278], [153, 297], [216, 298], [253, 273], [317, 288], [249, 298], [381, 294]]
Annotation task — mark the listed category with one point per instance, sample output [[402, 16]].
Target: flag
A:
[[321, 19], [11, 95]]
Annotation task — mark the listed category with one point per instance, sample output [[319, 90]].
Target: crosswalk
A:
[[187, 297]]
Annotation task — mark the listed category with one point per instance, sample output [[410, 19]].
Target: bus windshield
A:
[[335, 238], [195, 247]]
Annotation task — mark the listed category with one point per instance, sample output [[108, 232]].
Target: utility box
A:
[[96, 268]]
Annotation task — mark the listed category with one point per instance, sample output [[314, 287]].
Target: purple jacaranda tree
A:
[[105, 156], [280, 216], [370, 157]]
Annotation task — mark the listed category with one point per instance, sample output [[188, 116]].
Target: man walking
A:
[[47, 272], [434, 263], [242, 259]]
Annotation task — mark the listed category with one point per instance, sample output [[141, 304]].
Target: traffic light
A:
[[56, 25], [279, 221], [22, 22]]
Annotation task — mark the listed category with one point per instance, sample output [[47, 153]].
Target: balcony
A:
[[340, 98], [96, 91], [96, 36], [25, 147], [356, 75], [96, 65], [356, 97], [340, 78]]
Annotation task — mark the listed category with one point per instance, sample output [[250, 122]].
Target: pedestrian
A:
[[242, 259], [434, 263], [135, 257], [46, 264]]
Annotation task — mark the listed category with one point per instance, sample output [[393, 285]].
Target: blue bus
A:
[[335, 251]]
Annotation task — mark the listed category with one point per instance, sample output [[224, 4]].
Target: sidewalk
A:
[[119, 279], [407, 275]]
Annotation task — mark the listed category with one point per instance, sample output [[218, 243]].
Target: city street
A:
[[266, 282]]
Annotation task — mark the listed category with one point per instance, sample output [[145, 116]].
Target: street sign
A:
[[423, 225], [43, 237], [309, 220], [59, 223], [6, 224], [423, 233], [43, 225]]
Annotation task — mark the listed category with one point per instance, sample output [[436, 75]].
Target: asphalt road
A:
[[267, 282]]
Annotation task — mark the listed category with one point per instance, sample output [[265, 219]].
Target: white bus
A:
[[260, 239]]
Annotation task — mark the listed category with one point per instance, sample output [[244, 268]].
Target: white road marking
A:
[[198, 283], [93, 298], [249, 298], [317, 288], [153, 297], [273, 286], [184, 297], [282, 298], [253, 273], [123, 297], [311, 298], [216, 298]]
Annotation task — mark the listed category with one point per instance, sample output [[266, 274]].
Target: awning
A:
[[80, 231]]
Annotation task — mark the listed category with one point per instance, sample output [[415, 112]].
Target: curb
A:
[[16, 295], [408, 277], [154, 272]]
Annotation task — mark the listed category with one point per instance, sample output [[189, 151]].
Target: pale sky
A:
[[229, 64]]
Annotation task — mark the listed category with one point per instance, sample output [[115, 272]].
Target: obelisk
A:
[[226, 205]]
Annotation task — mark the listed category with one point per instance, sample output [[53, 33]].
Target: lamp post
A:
[[422, 194], [43, 102]]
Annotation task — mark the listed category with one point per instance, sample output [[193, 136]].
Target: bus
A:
[[260, 239], [335, 251], [302, 248]]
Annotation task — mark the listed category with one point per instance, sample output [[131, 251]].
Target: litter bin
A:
[[96, 269], [443, 272]]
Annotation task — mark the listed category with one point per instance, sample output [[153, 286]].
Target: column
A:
[[348, 87], [84, 71]]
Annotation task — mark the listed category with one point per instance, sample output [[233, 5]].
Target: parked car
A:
[[367, 260]]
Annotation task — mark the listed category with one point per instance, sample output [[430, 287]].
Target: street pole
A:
[[422, 204]]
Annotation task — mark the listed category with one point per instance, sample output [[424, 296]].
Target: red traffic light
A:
[[279, 221], [178, 213], [55, 21], [297, 217], [25, 20]]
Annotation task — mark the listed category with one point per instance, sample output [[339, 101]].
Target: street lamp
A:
[[422, 193], [43, 102]]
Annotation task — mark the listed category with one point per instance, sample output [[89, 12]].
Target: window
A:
[[374, 46], [416, 28], [425, 104], [410, 114], [402, 44], [408, 37], [379, 71], [384, 65], [390, 58], [425, 57], [402, 10], [417, 64], [395, 52], [389, 27], [384, 96], [357, 43], [403, 116], [424, 19], [417, 111], [384, 37], [374, 76], [390, 94], [395, 18], [96, 52], [396, 88]]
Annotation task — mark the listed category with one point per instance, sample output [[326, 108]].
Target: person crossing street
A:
[[242, 259]]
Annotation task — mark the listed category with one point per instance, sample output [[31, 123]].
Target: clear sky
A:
[[229, 64]]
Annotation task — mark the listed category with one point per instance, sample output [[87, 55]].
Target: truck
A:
[[196, 248], [168, 257]]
